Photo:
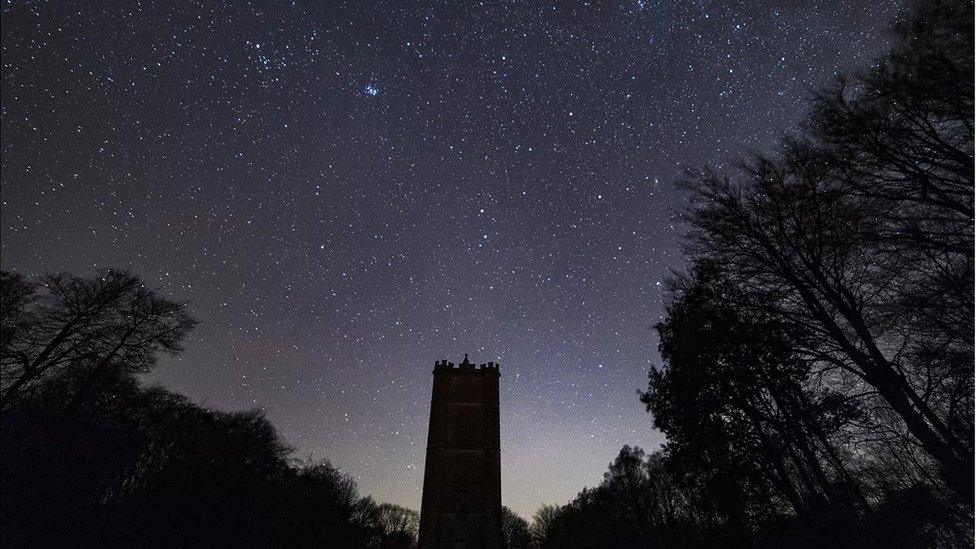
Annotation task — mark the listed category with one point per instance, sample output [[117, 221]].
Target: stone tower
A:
[[462, 501]]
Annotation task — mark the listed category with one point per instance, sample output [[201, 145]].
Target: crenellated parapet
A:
[[443, 366]]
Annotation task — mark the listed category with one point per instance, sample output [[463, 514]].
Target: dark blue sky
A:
[[347, 192]]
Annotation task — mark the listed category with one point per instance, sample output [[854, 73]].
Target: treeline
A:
[[92, 459], [817, 385]]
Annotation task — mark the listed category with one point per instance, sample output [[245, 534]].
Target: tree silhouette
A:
[[818, 353], [544, 525], [82, 332], [638, 504], [515, 530], [741, 413], [859, 238], [390, 526], [91, 459]]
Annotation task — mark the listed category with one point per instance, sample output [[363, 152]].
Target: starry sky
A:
[[345, 192]]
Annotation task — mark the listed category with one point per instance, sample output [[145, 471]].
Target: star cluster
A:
[[345, 192]]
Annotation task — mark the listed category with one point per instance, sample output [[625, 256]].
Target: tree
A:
[[639, 503], [390, 526], [902, 133], [544, 524], [818, 354], [81, 332], [899, 141], [515, 530], [740, 411], [860, 234], [788, 237], [91, 458]]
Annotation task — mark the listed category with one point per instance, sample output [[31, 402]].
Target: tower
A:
[[462, 500]]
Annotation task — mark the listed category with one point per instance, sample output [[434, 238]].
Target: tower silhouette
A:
[[462, 503]]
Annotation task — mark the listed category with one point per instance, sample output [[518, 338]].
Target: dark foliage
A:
[[638, 504], [817, 385], [515, 530], [390, 526], [859, 241], [91, 459]]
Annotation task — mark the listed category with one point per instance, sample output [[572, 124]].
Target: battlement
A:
[[465, 367]]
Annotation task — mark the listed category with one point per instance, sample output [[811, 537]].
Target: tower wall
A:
[[462, 502]]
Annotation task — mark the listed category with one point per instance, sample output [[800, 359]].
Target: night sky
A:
[[345, 193]]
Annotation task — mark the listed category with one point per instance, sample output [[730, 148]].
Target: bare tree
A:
[[387, 525], [82, 331], [786, 233], [515, 530], [543, 523]]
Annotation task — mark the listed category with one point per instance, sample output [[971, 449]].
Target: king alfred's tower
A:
[[462, 501]]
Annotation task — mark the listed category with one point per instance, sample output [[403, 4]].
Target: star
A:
[[242, 160]]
